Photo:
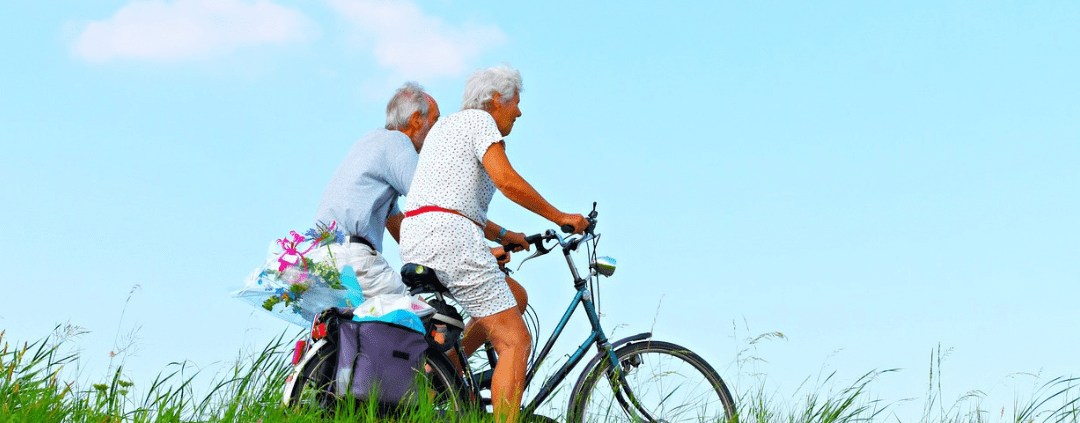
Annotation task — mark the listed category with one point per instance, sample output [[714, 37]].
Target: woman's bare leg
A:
[[507, 332], [473, 338]]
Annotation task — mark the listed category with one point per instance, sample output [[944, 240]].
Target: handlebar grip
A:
[[567, 228], [537, 239]]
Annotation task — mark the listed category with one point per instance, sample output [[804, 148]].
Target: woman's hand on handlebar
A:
[[577, 221], [501, 256], [515, 241]]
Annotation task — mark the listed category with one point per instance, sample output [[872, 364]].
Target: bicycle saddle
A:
[[421, 280]]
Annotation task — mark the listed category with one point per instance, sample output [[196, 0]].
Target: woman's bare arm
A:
[[518, 190]]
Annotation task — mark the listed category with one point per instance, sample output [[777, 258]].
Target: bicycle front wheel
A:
[[658, 381]]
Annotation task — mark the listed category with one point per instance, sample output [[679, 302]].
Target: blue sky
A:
[[870, 179]]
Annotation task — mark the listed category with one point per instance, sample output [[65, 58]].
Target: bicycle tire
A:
[[314, 386], [448, 394], [671, 384]]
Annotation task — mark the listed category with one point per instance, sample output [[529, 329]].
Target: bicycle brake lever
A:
[[538, 242], [534, 255]]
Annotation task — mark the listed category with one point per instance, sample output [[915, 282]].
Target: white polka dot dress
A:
[[450, 174]]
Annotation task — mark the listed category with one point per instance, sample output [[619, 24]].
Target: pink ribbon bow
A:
[[292, 249]]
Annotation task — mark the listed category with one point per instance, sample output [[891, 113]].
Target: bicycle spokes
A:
[[622, 391]]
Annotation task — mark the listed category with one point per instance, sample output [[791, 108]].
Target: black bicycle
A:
[[634, 379]]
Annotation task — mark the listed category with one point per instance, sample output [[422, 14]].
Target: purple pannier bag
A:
[[375, 356]]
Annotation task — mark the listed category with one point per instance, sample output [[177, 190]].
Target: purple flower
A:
[[324, 235]]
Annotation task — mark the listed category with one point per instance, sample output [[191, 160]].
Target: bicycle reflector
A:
[[298, 351], [318, 331], [604, 265]]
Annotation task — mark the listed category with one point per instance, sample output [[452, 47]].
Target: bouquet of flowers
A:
[[301, 279]]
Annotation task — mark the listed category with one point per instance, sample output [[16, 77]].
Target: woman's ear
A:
[[494, 104]]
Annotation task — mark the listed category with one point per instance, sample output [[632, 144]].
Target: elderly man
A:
[[362, 195], [446, 222]]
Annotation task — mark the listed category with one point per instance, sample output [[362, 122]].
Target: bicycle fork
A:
[[616, 375]]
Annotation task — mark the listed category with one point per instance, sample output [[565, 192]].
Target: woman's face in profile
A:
[[505, 113]]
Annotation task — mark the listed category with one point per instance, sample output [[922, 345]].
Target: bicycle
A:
[[632, 379]]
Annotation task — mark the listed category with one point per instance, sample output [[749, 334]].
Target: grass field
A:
[[33, 390]]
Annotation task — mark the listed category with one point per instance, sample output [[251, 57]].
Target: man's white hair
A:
[[408, 99], [481, 86]]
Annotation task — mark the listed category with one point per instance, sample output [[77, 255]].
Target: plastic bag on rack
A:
[[294, 294], [397, 309]]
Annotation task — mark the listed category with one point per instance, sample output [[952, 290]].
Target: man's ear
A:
[[416, 121]]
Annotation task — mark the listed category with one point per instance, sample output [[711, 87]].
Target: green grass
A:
[[33, 389]]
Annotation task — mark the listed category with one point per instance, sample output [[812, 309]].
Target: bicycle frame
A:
[[604, 364], [582, 298]]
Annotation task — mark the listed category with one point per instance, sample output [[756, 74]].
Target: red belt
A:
[[426, 209]]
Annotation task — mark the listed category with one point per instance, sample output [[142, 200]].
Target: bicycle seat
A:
[[421, 280]]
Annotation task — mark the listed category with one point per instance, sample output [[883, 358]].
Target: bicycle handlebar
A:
[[588, 229], [536, 240], [571, 244]]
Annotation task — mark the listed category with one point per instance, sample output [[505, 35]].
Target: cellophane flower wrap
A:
[[300, 277]]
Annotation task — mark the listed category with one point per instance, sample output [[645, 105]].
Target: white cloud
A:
[[157, 30], [413, 44]]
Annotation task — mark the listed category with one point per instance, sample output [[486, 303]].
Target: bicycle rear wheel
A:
[[660, 382], [314, 383], [441, 386], [445, 388]]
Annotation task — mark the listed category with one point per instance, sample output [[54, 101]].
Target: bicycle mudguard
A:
[[295, 373], [600, 356]]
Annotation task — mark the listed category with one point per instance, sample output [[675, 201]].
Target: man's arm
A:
[[393, 225], [401, 170]]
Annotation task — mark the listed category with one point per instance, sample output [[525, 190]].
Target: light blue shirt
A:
[[364, 190]]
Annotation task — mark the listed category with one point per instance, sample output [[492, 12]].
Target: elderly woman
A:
[[445, 226]]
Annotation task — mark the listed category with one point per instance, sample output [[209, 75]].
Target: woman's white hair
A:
[[407, 100], [481, 86]]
